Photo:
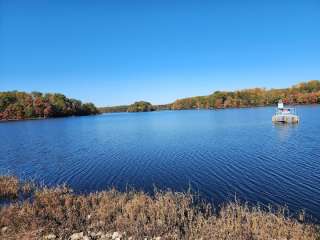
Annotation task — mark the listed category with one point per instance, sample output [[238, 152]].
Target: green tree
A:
[[141, 106]]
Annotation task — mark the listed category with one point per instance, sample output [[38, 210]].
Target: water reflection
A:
[[285, 130]]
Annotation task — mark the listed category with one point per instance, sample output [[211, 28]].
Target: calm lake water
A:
[[221, 154]]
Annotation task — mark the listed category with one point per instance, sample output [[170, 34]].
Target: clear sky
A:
[[115, 51]]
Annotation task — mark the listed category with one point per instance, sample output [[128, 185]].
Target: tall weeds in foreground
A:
[[169, 215], [11, 187]]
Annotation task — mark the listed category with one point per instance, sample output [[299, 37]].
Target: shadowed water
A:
[[218, 153]]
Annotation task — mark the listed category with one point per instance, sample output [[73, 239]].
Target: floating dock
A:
[[285, 115]]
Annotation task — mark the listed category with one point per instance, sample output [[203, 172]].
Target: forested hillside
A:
[[121, 108], [141, 106], [303, 93], [16, 105]]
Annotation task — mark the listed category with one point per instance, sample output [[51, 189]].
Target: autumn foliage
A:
[[303, 93], [141, 106], [16, 105]]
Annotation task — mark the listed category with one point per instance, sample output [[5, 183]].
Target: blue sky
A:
[[117, 52]]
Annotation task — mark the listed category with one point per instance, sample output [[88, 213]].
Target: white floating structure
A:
[[285, 115]]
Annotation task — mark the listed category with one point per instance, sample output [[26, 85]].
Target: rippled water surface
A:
[[218, 153]]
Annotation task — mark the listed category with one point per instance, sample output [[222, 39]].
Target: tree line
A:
[[302, 93], [140, 106], [16, 105]]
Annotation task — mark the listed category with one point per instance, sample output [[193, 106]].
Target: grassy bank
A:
[[58, 213]]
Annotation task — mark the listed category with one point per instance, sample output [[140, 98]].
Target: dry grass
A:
[[9, 186], [168, 214]]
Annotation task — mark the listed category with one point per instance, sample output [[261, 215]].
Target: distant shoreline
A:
[[191, 109], [299, 94], [43, 118], [18, 120], [16, 106], [242, 107]]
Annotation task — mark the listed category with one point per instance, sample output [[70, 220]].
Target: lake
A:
[[222, 154]]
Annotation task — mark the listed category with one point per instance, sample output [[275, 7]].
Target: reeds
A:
[[168, 214], [11, 187]]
